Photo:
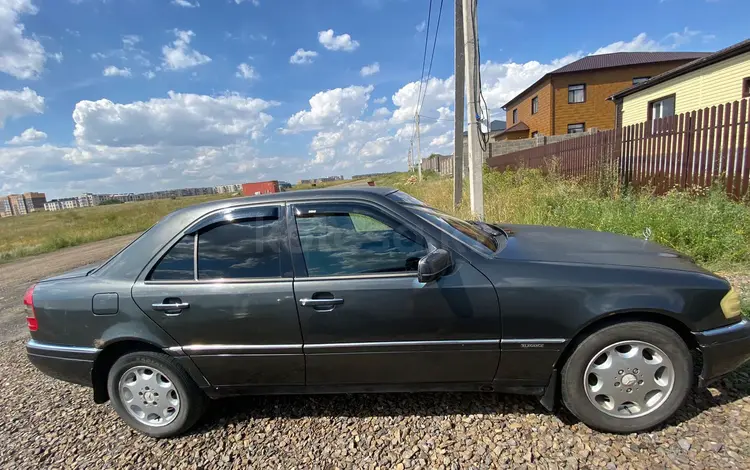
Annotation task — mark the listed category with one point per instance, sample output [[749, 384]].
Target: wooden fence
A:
[[699, 148]]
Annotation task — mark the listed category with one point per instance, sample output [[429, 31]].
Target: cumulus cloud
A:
[[303, 57], [21, 56], [371, 69], [179, 55], [330, 108], [381, 112], [15, 104], [421, 27], [380, 100], [640, 43], [254, 2], [29, 136], [113, 71], [247, 72], [179, 119], [186, 3], [342, 42]]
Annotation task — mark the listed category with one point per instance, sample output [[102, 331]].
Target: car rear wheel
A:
[[627, 377], [154, 395]]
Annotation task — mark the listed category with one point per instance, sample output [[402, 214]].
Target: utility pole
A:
[[458, 108], [476, 160], [419, 149]]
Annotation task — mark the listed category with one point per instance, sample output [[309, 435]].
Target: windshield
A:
[[468, 232]]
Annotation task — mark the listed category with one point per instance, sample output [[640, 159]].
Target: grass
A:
[[42, 232], [705, 225], [708, 226]]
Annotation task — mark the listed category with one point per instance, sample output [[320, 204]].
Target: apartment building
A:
[[21, 204], [228, 188]]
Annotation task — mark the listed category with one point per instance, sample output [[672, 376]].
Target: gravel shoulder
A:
[[16, 277], [51, 424]]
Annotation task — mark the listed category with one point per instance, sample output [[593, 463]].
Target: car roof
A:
[[301, 195]]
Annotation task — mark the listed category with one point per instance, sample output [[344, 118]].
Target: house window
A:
[[535, 105], [535, 134], [746, 87], [661, 108], [576, 93], [515, 115], [639, 80], [576, 128]]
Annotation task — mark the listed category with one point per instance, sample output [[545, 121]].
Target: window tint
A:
[[466, 232], [356, 241], [177, 264], [241, 250]]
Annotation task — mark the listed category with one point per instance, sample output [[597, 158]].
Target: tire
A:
[[603, 402], [152, 395]]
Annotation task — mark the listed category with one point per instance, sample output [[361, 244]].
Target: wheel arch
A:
[[107, 357], [662, 318]]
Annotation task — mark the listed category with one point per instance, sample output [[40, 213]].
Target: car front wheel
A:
[[627, 377], [154, 395]]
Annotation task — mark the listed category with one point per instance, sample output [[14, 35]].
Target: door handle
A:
[[320, 302], [173, 308]]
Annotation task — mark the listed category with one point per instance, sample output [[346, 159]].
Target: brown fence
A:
[[699, 148]]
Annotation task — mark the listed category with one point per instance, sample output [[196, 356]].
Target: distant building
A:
[[21, 204], [62, 204], [326, 179], [228, 188], [90, 200]]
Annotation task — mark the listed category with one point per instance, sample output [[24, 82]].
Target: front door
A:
[[365, 317], [232, 309]]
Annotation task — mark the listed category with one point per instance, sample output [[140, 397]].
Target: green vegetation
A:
[[41, 232], [703, 224]]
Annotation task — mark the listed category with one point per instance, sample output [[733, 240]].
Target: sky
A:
[[110, 96]]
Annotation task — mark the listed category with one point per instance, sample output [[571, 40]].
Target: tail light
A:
[[28, 303]]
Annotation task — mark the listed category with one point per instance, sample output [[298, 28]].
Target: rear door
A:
[[367, 320], [224, 291]]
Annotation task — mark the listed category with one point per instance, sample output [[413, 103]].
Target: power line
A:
[[432, 58], [484, 138], [421, 76]]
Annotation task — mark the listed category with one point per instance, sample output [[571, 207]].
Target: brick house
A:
[[574, 98]]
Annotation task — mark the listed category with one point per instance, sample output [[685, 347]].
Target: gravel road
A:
[[50, 424]]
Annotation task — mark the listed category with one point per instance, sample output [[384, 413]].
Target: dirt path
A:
[[15, 277]]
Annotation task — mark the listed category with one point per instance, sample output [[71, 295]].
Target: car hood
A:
[[566, 245], [78, 272]]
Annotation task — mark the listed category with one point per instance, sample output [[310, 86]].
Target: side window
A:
[[177, 264], [351, 240], [241, 250]]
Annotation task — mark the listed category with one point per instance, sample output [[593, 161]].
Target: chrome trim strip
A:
[[195, 257], [350, 277], [726, 329], [533, 340], [66, 349], [385, 344], [236, 347], [243, 280]]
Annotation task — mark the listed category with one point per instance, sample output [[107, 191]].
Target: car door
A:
[[224, 292], [365, 317]]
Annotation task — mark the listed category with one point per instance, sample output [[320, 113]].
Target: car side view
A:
[[370, 290]]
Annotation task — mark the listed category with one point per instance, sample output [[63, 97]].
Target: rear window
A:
[[177, 264], [403, 198]]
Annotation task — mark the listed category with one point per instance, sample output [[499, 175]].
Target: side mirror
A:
[[433, 265]]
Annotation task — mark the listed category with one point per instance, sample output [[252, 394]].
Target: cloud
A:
[[342, 42], [113, 71], [179, 55], [57, 56], [15, 104], [186, 3], [254, 2], [303, 57], [20, 56], [181, 119], [371, 69], [381, 112], [421, 26], [380, 100], [642, 43], [247, 72], [330, 107], [29, 136], [149, 74]]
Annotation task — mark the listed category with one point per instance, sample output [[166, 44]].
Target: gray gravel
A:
[[46, 423]]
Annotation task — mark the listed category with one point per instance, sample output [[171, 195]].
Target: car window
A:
[[347, 241], [177, 264], [241, 250]]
